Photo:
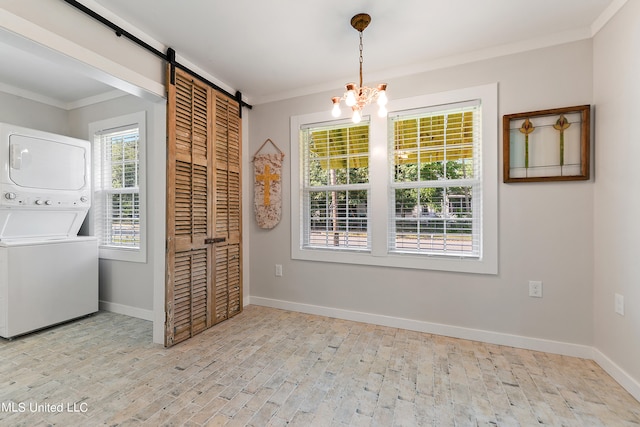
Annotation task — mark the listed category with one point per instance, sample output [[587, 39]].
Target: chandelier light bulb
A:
[[356, 116], [350, 99], [382, 97], [382, 111], [335, 112], [336, 107]]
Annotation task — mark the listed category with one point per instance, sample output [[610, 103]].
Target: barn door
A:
[[228, 221], [199, 244]]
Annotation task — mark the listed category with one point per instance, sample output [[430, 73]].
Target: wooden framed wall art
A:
[[547, 145]]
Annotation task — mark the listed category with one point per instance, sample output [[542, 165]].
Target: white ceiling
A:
[[32, 71], [277, 49]]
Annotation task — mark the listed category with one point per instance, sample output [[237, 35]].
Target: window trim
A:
[[111, 252], [379, 188]]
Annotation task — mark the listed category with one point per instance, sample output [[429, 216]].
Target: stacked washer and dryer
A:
[[48, 274]]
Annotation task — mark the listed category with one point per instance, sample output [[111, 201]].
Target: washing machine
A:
[[48, 274]]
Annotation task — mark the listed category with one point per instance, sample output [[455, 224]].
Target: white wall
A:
[[545, 229], [616, 197]]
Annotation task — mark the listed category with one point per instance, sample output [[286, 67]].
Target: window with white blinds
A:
[[336, 186], [436, 181], [416, 189], [118, 211]]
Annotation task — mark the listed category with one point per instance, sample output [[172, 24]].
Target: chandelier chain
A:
[[361, 58]]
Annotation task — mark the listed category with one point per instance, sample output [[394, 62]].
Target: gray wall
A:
[[128, 286], [617, 200], [545, 229], [31, 114]]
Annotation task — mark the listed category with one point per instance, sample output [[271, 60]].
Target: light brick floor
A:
[[268, 367]]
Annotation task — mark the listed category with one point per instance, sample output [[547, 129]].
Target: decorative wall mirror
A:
[[547, 145]]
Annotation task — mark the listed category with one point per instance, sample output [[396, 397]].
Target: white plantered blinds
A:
[[335, 187], [436, 185], [117, 201]]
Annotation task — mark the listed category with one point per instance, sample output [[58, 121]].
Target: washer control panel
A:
[[17, 199]]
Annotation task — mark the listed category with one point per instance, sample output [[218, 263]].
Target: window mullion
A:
[[378, 180]]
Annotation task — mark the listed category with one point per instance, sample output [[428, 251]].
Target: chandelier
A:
[[358, 96]]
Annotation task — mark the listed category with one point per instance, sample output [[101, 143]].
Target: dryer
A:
[[48, 274]]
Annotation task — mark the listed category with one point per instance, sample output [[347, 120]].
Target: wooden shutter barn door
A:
[[195, 235], [228, 221]]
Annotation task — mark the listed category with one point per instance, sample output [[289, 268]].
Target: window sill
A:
[[122, 254], [483, 265]]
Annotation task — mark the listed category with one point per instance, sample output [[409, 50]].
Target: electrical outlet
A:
[[278, 270], [535, 288], [619, 304]]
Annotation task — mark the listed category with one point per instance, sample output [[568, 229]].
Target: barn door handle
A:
[[214, 240]]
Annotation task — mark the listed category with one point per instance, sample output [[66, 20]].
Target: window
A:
[[118, 212], [336, 186], [436, 180], [417, 189]]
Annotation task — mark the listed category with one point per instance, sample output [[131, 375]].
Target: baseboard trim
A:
[[127, 310], [618, 374], [536, 344]]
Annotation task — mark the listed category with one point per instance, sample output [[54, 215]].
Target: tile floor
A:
[[268, 367]]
